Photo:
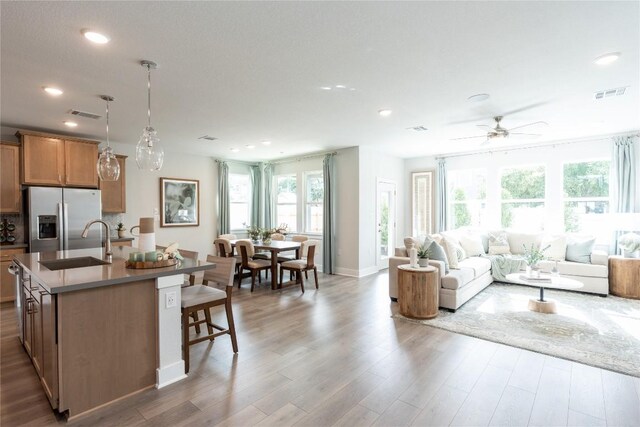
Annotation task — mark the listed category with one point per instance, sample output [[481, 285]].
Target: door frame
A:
[[382, 264]]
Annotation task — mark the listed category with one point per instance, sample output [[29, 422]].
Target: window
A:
[[586, 196], [467, 197], [422, 203], [286, 201], [239, 198], [523, 192], [314, 195]]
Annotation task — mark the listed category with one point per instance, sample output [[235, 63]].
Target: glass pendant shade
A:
[[149, 155], [108, 167]]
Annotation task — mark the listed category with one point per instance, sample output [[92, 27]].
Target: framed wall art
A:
[[179, 202]]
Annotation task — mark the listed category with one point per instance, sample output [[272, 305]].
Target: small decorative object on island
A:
[[532, 256], [179, 202], [423, 256], [282, 229], [155, 259], [121, 230], [630, 244], [254, 232], [147, 236]]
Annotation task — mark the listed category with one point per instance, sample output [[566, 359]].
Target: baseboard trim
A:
[[170, 374], [340, 271]]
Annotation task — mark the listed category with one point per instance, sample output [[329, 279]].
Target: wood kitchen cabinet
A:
[[7, 284], [58, 160], [10, 196], [114, 193]]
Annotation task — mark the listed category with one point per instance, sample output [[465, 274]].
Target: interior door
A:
[[385, 222]]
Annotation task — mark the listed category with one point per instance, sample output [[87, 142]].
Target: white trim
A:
[[169, 281], [341, 271], [170, 374]]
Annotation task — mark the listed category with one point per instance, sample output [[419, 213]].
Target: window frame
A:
[[467, 201], [248, 202], [512, 201], [306, 203], [275, 192], [566, 200]]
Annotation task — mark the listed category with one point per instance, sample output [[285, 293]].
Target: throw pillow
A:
[[580, 250], [518, 241], [454, 251], [437, 252], [557, 247], [472, 244], [409, 242], [498, 243]]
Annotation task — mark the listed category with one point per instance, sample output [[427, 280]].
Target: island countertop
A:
[[74, 279]]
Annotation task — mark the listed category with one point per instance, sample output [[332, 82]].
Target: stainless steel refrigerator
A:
[[57, 217]]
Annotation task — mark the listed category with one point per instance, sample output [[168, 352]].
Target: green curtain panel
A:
[[269, 211], [624, 173], [329, 215], [224, 220], [256, 189], [441, 195]]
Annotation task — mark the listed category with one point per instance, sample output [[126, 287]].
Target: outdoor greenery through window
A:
[[467, 197], [239, 200], [314, 195], [586, 196], [286, 201], [523, 193]]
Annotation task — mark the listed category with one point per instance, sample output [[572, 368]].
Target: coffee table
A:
[[557, 282]]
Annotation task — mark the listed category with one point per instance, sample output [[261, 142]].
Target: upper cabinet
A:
[[58, 160], [10, 201], [113, 193]]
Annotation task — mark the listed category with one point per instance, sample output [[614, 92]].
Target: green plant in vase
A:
[[254, 232], [121, 230], [423, 255], [532, 256], [266, 235]]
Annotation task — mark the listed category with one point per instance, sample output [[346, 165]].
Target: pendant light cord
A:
[[149, 94], [108, 124]]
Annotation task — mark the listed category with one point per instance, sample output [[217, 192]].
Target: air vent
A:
[[208, 137], [85, 114], [609, 93], [418, 128]]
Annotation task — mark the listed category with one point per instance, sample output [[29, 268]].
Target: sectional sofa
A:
[[473, 273]]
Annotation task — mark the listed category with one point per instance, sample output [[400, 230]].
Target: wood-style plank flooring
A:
[[335, 357]]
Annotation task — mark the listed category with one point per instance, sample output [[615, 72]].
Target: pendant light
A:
[[149, 154], [108, 166]]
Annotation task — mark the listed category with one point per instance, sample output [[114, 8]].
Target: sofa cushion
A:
[[498, 243], [454, 251], [580, 250], [518, 241], [436, 252], [557, 247], [566, 268], [479, 265], [457, 279], [472, 244]]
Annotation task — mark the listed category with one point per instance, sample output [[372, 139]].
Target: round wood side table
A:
[[418, 294], [624, 277]]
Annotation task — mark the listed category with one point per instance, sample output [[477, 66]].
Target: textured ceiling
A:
[[245, 72]]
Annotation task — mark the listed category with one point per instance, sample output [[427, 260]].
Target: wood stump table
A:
[[418, 293], [624, 277]]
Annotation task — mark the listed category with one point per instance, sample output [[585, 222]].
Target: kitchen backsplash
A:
[[113, 220]]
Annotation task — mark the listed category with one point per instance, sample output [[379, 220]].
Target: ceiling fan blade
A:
[[468, 137], [524, 108], [528, 134], [529, 124], [486, 126]]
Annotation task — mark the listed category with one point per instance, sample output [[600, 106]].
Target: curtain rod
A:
[[237, 161], [297, 159], [529, 147]]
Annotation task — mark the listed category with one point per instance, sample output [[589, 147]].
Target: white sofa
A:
[[474, 274]]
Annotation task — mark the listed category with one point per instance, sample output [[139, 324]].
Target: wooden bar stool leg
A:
[[232, 326], [195, 319], [185, 339], [207, 316]]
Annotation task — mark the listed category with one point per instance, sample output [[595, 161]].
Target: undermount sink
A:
[[65, 264]]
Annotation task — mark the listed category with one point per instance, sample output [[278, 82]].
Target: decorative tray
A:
[[151, 264]]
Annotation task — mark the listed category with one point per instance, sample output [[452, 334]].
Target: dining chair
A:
[[298, 266], [298, 239], [255, 266], [203, 298], [228, 236], [225, 250], [278, 236]]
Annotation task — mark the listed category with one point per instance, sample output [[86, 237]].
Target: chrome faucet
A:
[[107, 246]]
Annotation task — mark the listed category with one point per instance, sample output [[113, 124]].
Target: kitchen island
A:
[[97, 331]]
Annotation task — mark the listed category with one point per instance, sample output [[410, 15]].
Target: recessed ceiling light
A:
[[95, 37], [385, 113], [266, 142], [71, 124], [234, 150], [341, 87], [478, 98], [607, 58], [53, 91], [250, 147], [326, 88]]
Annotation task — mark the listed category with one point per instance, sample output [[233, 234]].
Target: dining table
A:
[[274, 247]]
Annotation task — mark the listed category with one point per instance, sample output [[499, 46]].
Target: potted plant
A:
[[423, 256], [532, 256], [121, 230], [254, 233], [266, 235], [630, 244]]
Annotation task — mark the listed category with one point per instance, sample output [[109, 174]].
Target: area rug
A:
[[601, 332]]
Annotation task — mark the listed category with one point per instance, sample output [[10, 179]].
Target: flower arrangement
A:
[[282, 228], [254, 232], [266, 234], [533, 255], [630, 242]]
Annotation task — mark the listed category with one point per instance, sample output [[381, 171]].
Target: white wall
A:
[[553, 157], [373, 167], [143, 196], [347, 211]]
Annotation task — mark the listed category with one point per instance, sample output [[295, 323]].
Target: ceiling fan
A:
[[498, 132]]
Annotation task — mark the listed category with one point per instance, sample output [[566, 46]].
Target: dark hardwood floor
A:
[[335, 357]]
